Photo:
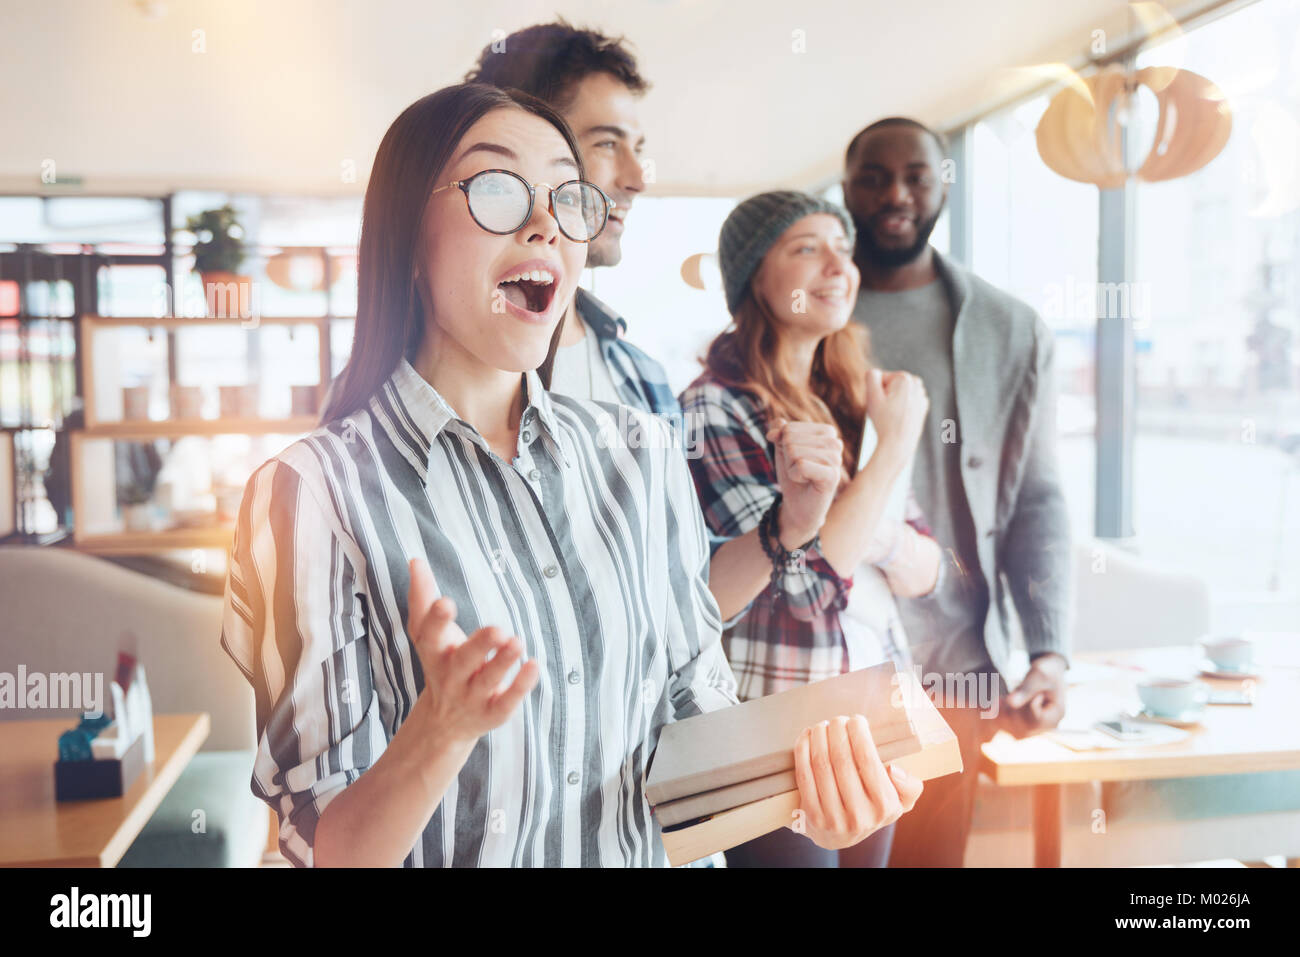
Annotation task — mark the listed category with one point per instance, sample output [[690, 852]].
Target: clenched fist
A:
[[809, 466]]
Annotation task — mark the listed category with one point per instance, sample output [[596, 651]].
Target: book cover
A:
[[756, 738], [939, 754]]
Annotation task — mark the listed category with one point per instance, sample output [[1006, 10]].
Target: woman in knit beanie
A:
[[782, 407]]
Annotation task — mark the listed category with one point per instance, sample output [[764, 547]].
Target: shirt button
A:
[[528, 436], [550, 571], [974, 461], [535, 475], [574, 677], [573, 777]]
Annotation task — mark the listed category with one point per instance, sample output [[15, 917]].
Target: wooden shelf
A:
[[139, 543], [92, 497], [188, 322], [179, 428]]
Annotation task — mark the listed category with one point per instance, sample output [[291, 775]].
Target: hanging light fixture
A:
[[1081, 133], [1080, 136]]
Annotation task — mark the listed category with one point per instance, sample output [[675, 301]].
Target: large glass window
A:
[[1215, 306], [1217, 456], [1034, 234]]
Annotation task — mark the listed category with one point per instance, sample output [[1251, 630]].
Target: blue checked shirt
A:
[[641, 382]]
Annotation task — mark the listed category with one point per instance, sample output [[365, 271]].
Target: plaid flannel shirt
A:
[[641, 382], [797, 634]]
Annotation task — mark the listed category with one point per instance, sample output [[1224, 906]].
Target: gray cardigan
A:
[[1006, 407]]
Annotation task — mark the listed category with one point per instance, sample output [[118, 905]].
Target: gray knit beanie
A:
[[753, 226]]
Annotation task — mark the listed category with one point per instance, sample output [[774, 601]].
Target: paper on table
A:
[[1090, 739]]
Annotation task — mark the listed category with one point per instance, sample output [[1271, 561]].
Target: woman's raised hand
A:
[[897, 404], [845, 792], [462, 675], [809, 467]]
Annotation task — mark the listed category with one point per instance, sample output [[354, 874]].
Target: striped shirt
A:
[[594, 553]]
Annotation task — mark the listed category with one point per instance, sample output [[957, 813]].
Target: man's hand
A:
[[809, 463], [1038, 703], [845, 792]]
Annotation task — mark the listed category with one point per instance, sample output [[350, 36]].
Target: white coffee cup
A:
[[1231, 653], [1170, 697]]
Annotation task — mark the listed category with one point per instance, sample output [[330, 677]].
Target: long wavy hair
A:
[[750, 358], [408, 166]]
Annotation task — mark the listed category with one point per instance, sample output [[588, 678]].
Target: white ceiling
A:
[[289, 91]]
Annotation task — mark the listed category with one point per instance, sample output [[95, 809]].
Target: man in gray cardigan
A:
[[985, 472]]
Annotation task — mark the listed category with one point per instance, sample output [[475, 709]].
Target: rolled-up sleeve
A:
[[736, 482], [295, 623]]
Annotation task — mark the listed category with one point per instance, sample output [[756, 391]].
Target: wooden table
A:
[[1231, 739], [37, 831]]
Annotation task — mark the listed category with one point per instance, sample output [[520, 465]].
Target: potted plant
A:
[[218, 254]]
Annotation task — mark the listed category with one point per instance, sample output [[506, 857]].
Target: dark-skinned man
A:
[[985, 472]]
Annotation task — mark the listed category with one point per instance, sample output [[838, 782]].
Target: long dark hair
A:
[[408, 166]]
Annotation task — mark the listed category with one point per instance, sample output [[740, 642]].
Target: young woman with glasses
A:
[[465, 620]]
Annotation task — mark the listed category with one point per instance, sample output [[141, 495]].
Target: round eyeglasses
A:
[[501, 202]]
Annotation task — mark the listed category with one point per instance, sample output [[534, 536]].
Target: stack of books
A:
[[719, 779]]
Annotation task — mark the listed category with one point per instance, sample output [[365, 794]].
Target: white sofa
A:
[[1240, 816], [68, 612]]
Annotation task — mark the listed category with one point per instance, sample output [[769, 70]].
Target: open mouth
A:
[[530, 291]]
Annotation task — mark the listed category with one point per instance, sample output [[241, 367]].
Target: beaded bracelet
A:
[[769, 537], [765, 539]]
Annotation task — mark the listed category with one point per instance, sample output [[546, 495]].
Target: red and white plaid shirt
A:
[[801, 633]]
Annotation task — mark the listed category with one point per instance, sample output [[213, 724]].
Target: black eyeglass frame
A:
[[464, 185]]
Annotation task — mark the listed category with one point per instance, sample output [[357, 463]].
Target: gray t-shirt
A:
[[912, 330]]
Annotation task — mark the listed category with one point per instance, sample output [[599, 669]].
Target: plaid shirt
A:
[[640, 381], [797, 635]]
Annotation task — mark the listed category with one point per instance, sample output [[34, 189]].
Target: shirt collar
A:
[[604, 321], [413, 412]]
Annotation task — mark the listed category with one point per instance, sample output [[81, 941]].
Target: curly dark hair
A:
[[549, 60]]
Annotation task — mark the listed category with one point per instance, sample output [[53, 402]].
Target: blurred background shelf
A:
[[167, 540], [187, 322], [177, 428]]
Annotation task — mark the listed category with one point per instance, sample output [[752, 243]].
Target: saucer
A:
[[1187, 719], [1211, 670]]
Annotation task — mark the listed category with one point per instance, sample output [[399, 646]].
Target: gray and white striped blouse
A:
[[593, 552]]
